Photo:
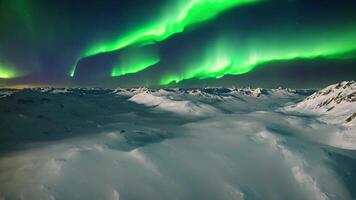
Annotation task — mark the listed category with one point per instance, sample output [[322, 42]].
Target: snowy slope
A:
[[336, 103], [182, 107]]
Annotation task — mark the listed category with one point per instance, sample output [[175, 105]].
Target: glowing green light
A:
[[135, 59], [226, 56], [7, 72], [72, 71], [133, 66], [186, 14]]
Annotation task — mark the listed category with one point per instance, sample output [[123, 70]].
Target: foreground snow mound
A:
[[181, 107], [337, 103]]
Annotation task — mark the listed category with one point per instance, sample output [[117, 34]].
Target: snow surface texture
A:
[[337, 103], [181, 107], [211, 143]]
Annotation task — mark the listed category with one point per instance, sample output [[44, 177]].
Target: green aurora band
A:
[[230, 56], [135, 59], [72, 70], [184, 14], [7, 72], [188, 13], [133, 66]]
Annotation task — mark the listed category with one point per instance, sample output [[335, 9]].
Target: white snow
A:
[[181, 107], [56, 91], [336, 104], [243, 147]]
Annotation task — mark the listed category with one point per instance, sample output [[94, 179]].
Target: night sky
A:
[[177, 43]]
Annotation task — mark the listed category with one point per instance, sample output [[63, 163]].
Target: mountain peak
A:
[[336, 102]]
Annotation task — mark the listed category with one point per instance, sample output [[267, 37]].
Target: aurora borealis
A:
[[188, 12], [135, 60], [6, 72], [136, 43], [178, 99], [229, 57]]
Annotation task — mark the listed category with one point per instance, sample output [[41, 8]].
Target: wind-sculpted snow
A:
[[211, 143]]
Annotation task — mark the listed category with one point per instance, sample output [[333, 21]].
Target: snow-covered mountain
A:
[[204, 101], [335, 103], [213, 92]]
